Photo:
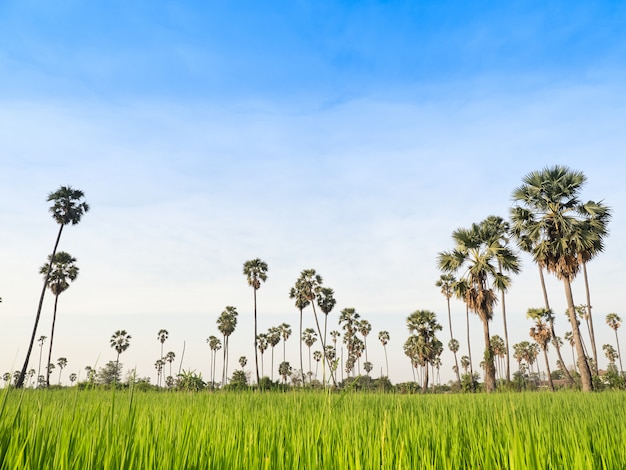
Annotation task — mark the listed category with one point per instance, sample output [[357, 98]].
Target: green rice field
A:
[[97, 429]]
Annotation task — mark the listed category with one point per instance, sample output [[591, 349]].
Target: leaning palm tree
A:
[[383, 337], [59, 271], [67, 208], [446, 283], [565, 233], [614, 321], [226, 324], [255, 271], [120, 341], [476, 255]]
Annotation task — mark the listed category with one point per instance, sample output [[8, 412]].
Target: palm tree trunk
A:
[[256, 354], [272, 363], [568, 376], [590, 321], [619, 353], [54, 319], [583, 365], [20, 380], [490, 370], [39, 368], [301, 367], [469, 347], [327, 361], [550, 383], [506, 333], [387, 362], [425, 387], [456, 362], [224, 364]]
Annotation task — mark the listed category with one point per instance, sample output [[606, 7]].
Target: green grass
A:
[[95, 429]]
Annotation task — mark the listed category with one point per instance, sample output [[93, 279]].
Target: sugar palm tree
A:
[[62, 363], [215, 344], [565, 233], [326, 302], [477, 255], [499, 351], [383, 337], [169, 358], [499, 232], [262, 345], [67, 208], [317, 357], [285, 333], [542, 335], [120, 341], [301, 303], [460, 288], [226, 324], [273, 338], [614, 321], [423, 325], [59, 272], [243, 360], [309, 336], [364, 328], [446, 284], [255, 271], [41, 341]]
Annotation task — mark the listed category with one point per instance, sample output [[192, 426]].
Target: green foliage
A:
[[239, 381], [109, 374], [190, 381]]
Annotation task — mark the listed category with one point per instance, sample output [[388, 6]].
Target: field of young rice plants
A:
[[95, 429]]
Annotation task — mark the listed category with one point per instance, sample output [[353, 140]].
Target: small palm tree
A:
[[226, 324], [67, 208], [169, 358], [243, 360], [326, 302], [446, 283], [285, 333], [60, 270], [309, 337], [542, 335], [317, 356], [614, 321], [120, 341], [41, 341], [273, 338], [215, 344], [383, 337], [262, 345], [73, 377], [62, 363], [364, 329], [255, 271]]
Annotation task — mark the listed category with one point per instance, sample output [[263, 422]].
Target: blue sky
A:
[[351, 137]]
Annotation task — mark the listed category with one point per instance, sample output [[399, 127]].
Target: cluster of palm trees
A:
[[548, 220], [560, 232]]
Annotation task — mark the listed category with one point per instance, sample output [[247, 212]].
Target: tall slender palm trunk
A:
[[256, 353], [469, 347], [387, 362], [583, 365], [20, 380], [301, 366], [332, 376], [568, 376], [506, 332], [490, 370], [545, 356], [590, 321], [54, 319], [456, 362]]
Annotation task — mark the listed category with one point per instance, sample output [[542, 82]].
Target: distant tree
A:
[[615, 321], [542, 335], [301, 301], [169, 358], [62, 363], [273, 338], [446, 283], [262, 345], [285, 333], [309, 337], [317, 356], [67, 208], [243, 360], [110, 374], [120, 341], [285, 370], [226, 324], [41, 341], [215, 344], [255, 271], [383, 337], [59, 271], [73, 377]]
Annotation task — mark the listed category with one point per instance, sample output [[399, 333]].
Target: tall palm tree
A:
[[226, 324], [499, 232], [569, 337], [301, 302], [169, 358], [215, 344], [460, 288], [41, 341], [309, 336], [273, 338], [317, 356], [383, 337], [614, 321], [59, 271], [285, 333], [477, 254], [62, 363], [364, 328], [120, 341], [326, 302], [67, 208], [542, 335], [262, 345], [566, 233], [423, 325], [255, 271], [162, 336], [446, 283]]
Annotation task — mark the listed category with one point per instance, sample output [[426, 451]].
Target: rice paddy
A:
[[93, 429]]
